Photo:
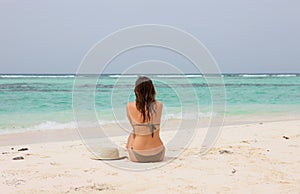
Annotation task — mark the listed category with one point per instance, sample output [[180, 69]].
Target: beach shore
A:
[[258, 155]]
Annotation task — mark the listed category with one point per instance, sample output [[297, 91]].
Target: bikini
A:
[[149, 158], [150, 125]]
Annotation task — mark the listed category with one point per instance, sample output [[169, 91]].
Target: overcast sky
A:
[[52, 36]]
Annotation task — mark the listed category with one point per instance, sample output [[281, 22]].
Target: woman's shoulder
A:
[[159, 103], [130, 105]]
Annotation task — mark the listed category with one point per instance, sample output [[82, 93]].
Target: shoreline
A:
[[58, 135]]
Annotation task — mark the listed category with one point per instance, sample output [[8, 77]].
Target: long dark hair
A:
[[144, 97]]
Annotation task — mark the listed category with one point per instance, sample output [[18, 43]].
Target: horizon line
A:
[[247, 73]]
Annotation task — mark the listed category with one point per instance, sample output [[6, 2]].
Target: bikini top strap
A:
[[145, 124], [151, 125]]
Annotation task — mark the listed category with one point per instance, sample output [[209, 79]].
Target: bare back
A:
[[145, 138]]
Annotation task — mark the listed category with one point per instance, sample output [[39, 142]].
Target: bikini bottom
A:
[[148, 158]]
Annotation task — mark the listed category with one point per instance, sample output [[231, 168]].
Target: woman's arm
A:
[[128, 114], [131, 137]]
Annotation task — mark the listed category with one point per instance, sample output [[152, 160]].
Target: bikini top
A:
[[150, 125]]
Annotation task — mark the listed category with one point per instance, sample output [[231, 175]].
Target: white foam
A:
[[268, 75], [285, 75], [54, 125], [254, 75], [193, 75], [49, 125], [187, 116]]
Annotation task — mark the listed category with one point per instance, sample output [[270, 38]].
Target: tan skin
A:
[[142, 141]]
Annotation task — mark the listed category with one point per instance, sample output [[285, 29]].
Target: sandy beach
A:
[[253, 157], [214, 85]]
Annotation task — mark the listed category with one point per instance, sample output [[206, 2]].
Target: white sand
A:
[[257, 160]]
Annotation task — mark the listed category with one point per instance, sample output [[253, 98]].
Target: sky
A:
[[53, 36]]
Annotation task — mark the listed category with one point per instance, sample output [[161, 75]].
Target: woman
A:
[[144, 115]]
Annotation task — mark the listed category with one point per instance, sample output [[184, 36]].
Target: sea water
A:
[[44, 102]]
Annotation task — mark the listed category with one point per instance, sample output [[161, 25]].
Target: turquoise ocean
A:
[[44, 102]]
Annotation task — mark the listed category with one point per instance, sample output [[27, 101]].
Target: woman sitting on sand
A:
[[144, 115]]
